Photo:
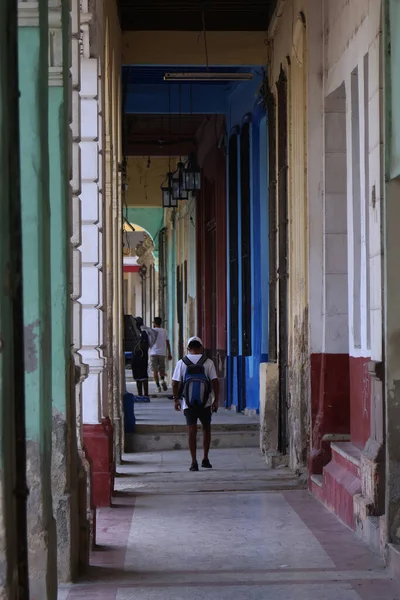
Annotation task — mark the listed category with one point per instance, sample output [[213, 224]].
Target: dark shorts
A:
[[198, 412], [139, 367]]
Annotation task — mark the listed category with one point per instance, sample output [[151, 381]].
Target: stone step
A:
[[317, 479], [341, 481], [153, 438], [147, 428]]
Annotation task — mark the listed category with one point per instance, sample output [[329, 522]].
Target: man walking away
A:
[[140, 360], [195, 387], [158, 354]]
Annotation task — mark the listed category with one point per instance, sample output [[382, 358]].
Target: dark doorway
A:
[[233, 246], [283, 265], [245, 214]]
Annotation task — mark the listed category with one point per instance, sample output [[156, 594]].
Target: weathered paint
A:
[[64, 446], [33, 83], [345, 253], [391, 221], [145, 179]]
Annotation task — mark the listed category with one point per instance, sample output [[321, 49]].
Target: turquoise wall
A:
[[171, 290], [33, 83], [151, 219]]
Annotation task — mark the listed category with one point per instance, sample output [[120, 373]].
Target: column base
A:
[[98, 440]]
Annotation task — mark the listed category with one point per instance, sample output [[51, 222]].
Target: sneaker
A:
[[164, 386], [194, 466], [159, 389], [205, 463]]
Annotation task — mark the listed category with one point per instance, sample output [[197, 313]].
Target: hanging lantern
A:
[[178, 183], [192, 176], [168, 200]]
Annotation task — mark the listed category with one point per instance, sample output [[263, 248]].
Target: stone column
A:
[[87, 529], [34, 156], [97, 427], [13, 493], [64, 448]]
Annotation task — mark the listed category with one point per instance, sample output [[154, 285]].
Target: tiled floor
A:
[[175, 535]]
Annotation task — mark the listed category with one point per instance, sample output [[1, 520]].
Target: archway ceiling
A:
[[162, 135], [185, 15]]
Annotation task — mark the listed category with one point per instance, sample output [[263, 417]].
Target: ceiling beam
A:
[[166, 99], [225, 48], [179, 149]]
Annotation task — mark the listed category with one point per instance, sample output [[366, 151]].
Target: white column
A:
[[92, 271], [76, 275]]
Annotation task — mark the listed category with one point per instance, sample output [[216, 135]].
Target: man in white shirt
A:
[[158, 353], [196, 409]]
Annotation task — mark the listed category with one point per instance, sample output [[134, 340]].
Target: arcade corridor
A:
[[239, 532], [231, 167]]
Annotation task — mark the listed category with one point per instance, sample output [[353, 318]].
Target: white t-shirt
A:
[[209, 370], [160, 347]]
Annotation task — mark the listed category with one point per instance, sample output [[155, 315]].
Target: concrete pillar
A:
[[13, 493], [391, 225], [87, 530], [64, 449], [34, 155], [97, 427]]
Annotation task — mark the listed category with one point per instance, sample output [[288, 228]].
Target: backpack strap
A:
[[202, 360], [187, 361]]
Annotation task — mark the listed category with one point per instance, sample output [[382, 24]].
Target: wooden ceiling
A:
[[186, 15]]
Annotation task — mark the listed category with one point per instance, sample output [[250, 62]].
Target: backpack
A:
[[132, 333], [196, 385], [142, 344], [152, 335]]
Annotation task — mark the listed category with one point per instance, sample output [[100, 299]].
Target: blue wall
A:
[[243, 372]]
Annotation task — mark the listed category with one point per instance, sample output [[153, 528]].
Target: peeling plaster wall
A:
[[64, 442], [391, 223], [33, 83], [144, 180], [289, 51]]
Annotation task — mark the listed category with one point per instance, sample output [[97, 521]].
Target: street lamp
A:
[[168, 199], [178, 183], [192, 176]]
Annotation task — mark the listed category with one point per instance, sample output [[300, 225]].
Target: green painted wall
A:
[[33, 82], [34, 159], [171, 291], [151, 219], [60, 327]]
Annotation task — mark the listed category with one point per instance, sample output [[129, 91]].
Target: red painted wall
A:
[[211, 213], [340, 403], [330, 403], [360, 390], [211, 250]]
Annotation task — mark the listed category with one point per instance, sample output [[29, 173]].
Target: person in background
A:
[[140, 360], [195, 387], [158, 354]]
